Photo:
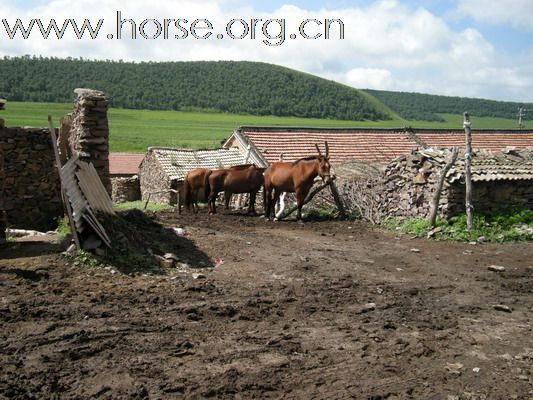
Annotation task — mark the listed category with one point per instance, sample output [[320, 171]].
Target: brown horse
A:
[[295, 177], [195, 182], [192, 184], [238, 179]]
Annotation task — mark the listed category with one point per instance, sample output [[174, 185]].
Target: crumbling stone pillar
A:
[[89, 134]]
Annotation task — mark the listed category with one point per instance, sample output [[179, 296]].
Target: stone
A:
[[419, 179], [454, 368], [171, 256], [415, 250], [496, 268], [366, 308], [504, 308], [163, 262]]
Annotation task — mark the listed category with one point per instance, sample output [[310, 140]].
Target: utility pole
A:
[[521, 115], [468, 173]]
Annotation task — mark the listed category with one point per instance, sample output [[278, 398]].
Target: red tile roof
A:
[[125, 163], [370, 145]]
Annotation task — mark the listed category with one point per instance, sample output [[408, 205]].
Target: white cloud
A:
[[517, 13], [369, 78], [387, 45]]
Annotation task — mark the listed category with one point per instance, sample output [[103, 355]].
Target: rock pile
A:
[[409, 186]]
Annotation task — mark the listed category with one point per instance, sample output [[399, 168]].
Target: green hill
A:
[[425, 107], [225, 86]]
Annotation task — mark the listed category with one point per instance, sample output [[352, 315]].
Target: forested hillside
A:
[[234, 87], [424, 107]]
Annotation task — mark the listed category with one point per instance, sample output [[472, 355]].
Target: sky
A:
[[469, 48]]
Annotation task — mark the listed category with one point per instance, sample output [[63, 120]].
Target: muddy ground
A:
[[288, 315]]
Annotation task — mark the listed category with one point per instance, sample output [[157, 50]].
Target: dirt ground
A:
[[327, 310]]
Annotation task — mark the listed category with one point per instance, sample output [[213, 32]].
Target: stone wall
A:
[[492, 196], [31, 195], [410, 183], [89, 133], [125, 189], [153, 179]]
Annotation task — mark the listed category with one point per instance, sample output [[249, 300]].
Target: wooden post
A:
[[436, 196], [337, 198], [3, 223], [468, 173], [63, 193]]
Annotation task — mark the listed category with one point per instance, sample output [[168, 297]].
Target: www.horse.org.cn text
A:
[[271, 32]]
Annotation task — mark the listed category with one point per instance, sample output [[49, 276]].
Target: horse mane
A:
[[310, 158]]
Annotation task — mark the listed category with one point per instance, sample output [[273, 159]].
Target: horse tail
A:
[[266, 186], [207, 187], [187, 193]]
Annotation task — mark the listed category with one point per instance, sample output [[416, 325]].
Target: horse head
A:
[[324, 166]]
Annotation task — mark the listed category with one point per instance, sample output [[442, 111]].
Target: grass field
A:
[[135, 130]]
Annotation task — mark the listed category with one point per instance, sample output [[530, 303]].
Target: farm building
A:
[[124, 174], [500, 180], [163, 169], [375, 146]]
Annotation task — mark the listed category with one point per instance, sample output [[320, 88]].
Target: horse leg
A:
[[281, 205], [266, 201], [194, 203], [211, 202], [251, 205], [227, 199], [300, 198], [275, 200]]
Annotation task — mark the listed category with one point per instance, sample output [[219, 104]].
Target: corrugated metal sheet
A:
[[93, 189], [75, 196], [177, 163], [85, 192]]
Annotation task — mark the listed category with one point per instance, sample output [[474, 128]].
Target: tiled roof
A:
[[370, 145], [177, 162], [487, 166], [125, 163]]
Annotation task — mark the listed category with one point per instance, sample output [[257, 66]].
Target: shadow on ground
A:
[[138, 241]]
